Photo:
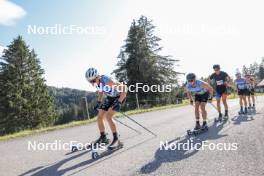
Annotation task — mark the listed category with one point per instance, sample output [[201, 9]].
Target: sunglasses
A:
[[191, 81], [92, 81]]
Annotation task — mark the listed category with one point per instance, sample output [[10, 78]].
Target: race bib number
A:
[[220, 82], [241, 86]]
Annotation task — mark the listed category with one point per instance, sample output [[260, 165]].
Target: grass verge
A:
[[83, 122]]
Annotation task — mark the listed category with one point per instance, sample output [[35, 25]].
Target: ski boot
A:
[[115, 144], [241, 112], [246, 110], [197, 126], [204, 126], [220, 118], [101, 140], [226, 116]]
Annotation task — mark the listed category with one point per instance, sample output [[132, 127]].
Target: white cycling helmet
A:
[[91, 74]]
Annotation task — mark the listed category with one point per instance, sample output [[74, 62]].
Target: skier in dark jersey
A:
[[219, 80]]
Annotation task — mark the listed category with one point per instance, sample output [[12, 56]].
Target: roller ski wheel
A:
[[241, 113], [74, 149], [95, 155], [197, 132], [218, 119]]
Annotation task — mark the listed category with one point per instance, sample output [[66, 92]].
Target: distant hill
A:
[[70, 103]]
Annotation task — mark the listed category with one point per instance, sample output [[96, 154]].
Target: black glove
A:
[[97, 105], [117, 106], [191, 102]]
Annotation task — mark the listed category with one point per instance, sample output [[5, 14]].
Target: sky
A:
[[199, 33]]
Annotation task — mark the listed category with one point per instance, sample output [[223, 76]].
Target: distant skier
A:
[[220, 81], [242, 90], [115, 95], [251, 93]]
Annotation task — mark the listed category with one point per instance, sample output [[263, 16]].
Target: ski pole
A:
[[127, 126], [138, 124], [213, 106]]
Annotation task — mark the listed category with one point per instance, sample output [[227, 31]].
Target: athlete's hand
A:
[[210, 99], [191, 102], [97, 105], [117, 106]]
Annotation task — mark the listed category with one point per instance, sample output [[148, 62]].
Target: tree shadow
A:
[[174, 155]]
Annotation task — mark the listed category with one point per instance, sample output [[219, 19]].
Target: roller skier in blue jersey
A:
[[202, 92], [242, 91], [115, 95]]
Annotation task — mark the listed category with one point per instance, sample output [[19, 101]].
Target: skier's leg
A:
[[100, 120], [197, 115], [204, 114], [218, 103], [245, 103], [241, 104], [249, 100], [109, 117], [224, 99]]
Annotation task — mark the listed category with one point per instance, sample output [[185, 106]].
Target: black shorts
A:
[[201, 97], [243, 92], [108, 103], [252, 91]]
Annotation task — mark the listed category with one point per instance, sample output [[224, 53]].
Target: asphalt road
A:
[[142, 155]]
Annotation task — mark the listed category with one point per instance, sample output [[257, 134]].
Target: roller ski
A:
[[252, 109], [198, 129], [243, 112], [101, 152], [101, 141], [76, 148], [219, 118], [226, 117]]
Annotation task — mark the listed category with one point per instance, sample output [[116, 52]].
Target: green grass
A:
[[83, 122]]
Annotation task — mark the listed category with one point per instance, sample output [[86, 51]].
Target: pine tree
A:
[[25, 101], [261, 71], [140, 62]]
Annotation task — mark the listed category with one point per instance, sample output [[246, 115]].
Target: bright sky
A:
[[199, 33]]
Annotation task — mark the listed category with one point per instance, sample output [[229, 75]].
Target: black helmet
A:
[[190, 77], [216, 66]]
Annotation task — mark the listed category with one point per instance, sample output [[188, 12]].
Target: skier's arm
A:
[[209, 88], [189, 95]]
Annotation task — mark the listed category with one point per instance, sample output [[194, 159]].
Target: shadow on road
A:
[[242, 118], [54, 168], [165, 156]]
